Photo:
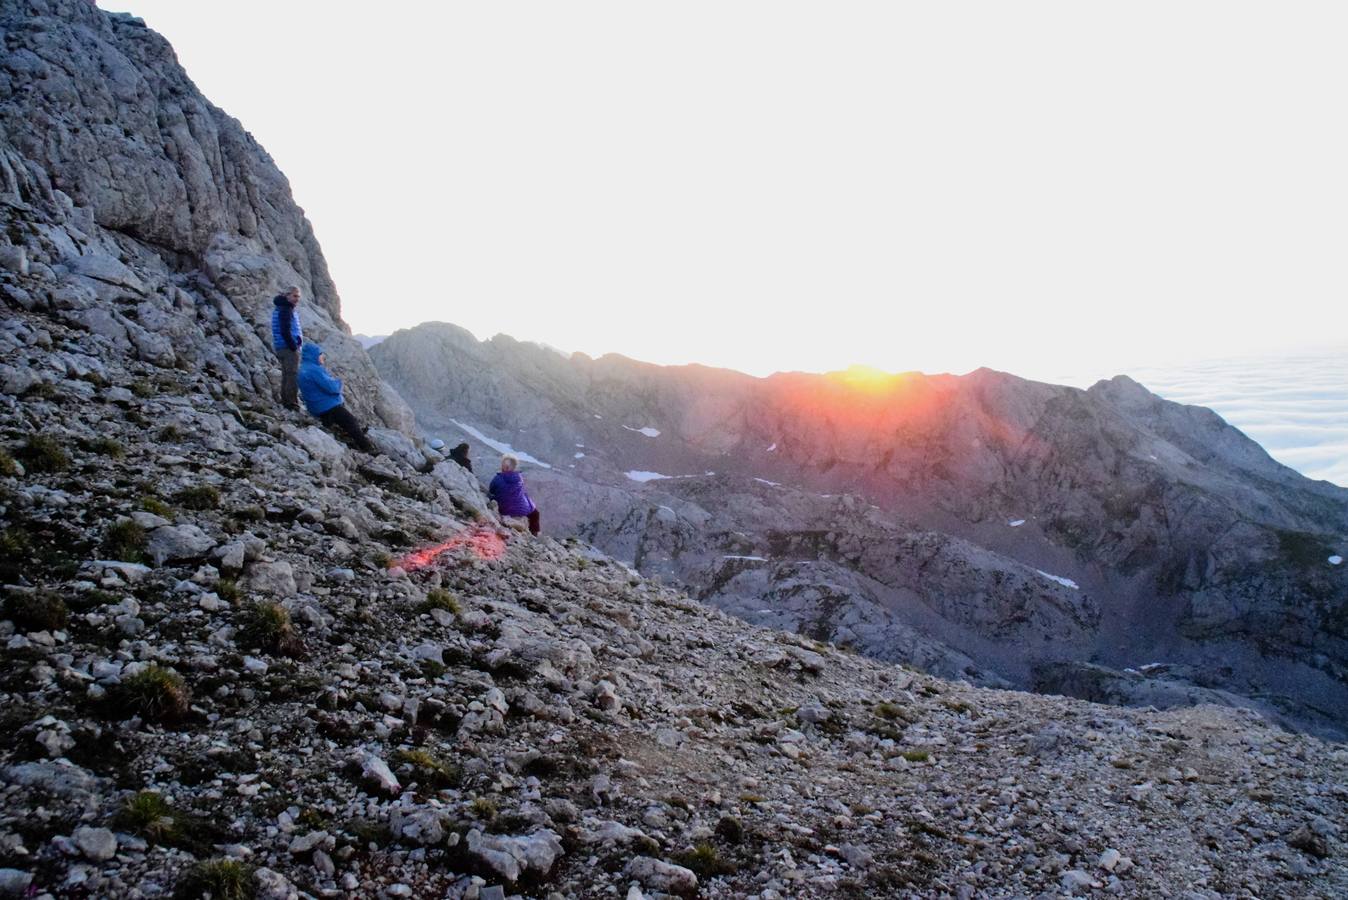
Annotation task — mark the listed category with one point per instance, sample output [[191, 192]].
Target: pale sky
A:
[[1040, 187]]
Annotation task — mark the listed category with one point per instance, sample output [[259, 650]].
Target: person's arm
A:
[[332, 385], [299, 332], [288, 323]]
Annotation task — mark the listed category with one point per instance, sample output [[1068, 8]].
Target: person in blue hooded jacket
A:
[[322, 393], [507, 492], [286, 339]]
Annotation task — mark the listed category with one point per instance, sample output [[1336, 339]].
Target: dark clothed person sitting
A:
[[460, 455], [507, 491], [322, 393]]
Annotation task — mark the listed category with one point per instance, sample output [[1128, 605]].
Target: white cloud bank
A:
[[1296, 407]]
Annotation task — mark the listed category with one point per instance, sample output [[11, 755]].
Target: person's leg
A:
[[341, 417], [533, 521], [290, 367]]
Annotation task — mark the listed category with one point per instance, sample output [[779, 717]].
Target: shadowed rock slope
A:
[[981, 525], [217, 671]]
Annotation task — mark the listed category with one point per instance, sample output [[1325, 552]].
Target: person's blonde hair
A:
[[509, 463]]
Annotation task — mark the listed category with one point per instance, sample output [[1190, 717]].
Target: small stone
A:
[[377, 770], [14, 882], [661, 876], [1109, 859], [606, 697], [97, 844], [1306, 840], [1077, 880], [308, 842], [177, 543]]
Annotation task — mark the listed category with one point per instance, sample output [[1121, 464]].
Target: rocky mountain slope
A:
[[242, 660], [981, 525]]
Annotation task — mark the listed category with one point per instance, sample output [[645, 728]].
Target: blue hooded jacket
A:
[[320, 389], [285, 325], [507, 489]]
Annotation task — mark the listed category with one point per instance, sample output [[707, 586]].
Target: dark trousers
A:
[[339, 417], [290, 367], [533, 522]]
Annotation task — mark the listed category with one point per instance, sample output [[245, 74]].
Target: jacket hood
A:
[[280, 300], [509, 477], [310, 353]]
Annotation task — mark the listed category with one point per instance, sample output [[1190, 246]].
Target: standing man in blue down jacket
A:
[[286, 340], [322, 392]]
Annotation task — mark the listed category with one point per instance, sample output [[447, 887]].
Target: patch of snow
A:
[[769, 483], [580, 445], [1065, 582], [1336, 560], [747, 558], [773, 447], [665, 508], [1016, 523], [501, 446], [1152, 455], [648, 430], [597, 416], [579, 455], [638, 475]]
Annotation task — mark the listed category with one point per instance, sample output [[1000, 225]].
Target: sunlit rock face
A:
[[149, 216], [982, 524]]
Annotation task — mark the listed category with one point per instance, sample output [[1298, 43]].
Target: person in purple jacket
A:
[[507, 492]]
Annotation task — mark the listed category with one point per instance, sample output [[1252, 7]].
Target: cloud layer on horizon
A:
[[1296, 407]]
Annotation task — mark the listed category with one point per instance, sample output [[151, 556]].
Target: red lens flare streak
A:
[[484, 543]]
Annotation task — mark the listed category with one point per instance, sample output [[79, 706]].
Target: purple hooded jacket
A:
[[507, 489]]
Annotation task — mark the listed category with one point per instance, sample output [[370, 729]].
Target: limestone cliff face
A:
[[875, 511], [147, 215]]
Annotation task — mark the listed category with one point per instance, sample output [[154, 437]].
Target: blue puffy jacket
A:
[[285, 324], [320, 389], [507, 489]]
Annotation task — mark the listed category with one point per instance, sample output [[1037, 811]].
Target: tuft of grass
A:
[[125, 540], [483, 808], [142, 389], [439, 598], [7, 465], [105, 446], [888, 710], [149, 815], [42, 453], [15, 544], [267, 626], [705, 861], [430, 770], [155, 694], [152, 504], [228, 590], [219, 879], [916, 755], [170, 433], [250, 514], [198, 496], [730, 830], [37, 611], [381, 559]]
